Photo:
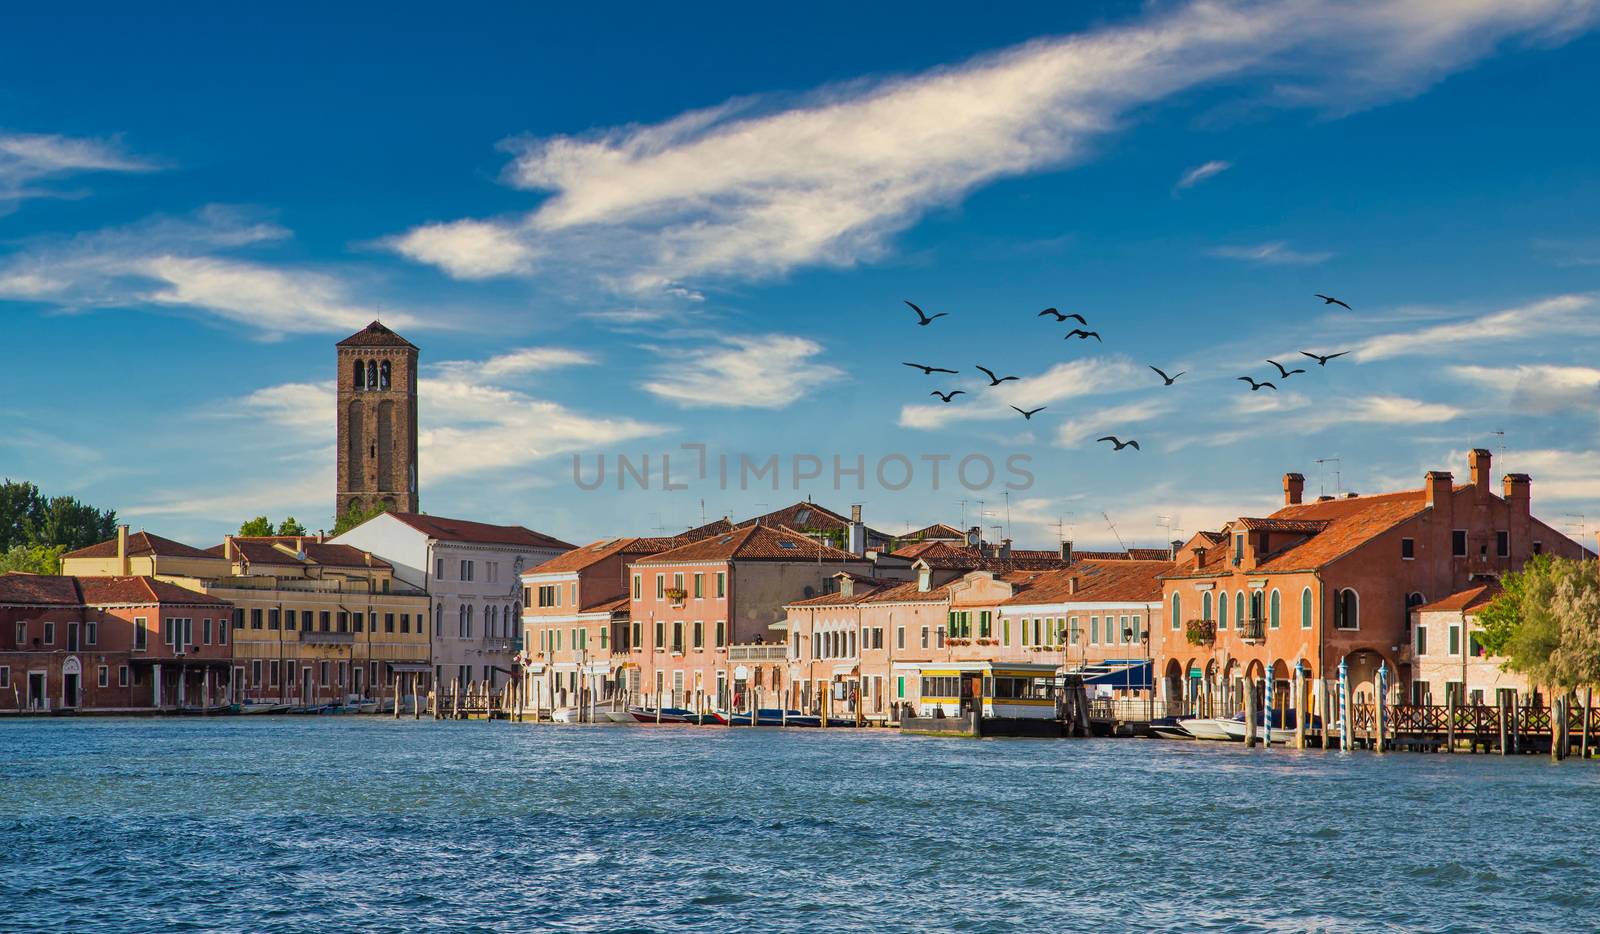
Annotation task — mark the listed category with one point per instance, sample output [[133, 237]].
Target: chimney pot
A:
[[1479, 460], [1066, 552], [1072, 584], [229, 550], [855, 513], [124, 565], [1294, 488], [1438, 486]]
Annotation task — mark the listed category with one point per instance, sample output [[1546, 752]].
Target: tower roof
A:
[[376, 335]]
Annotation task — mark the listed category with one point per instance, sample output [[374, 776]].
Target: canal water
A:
[[367, 824]]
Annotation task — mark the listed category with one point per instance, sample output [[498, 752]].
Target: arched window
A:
[[1274, 608], [1305, 608], [488, 620], [1177, 613], [1347, 610], [461, 622], [469, 622], [1256, 609], [361, 375], [372, 374], [438, 620], [1238, 608], [1222, 610], [1205, 605], [383, 375]]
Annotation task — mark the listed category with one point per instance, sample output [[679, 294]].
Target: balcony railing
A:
[[761, 652], [1252, 630]]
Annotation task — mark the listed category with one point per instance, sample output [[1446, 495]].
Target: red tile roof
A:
[[39, 589], [663, 542], [613, 605], [376, 335], [1276, 524], [142, 591], [935, 532], [1118, 580], [753, 543], [464, 530], [881, 592], [326, 554], [804, 517], [1470, 599], [140, 544], [1346, 525], [593, 553]]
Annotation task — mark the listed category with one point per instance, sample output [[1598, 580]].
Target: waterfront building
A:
[[470, 571], [702, 615], [110, 644], [1447, 660], [1336, 580], [376, 380], [312, 622]]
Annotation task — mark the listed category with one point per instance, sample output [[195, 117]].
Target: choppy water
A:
[[331, 824]]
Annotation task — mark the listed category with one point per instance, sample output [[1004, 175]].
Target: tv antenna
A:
[[1502, 436], [1338, 479], [1113, 527]]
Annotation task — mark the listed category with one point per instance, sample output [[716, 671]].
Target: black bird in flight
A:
[[1169, 380], [1062, 317], [1330, 300], [929, 370], [947, 396], [1254, 386], [1120, 444], [1283, 372], [1083, 335], [1322, 359], [993, 379], [1030, 413], [925, 319]]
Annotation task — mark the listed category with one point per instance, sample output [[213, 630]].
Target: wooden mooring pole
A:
[[1588, 701], [1503, 711], [1249, 713], [1450, 721]]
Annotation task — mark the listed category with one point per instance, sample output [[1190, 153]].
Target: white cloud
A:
[[1276, 253], [26, 158], [1537, 389], [1113, 420], [1561, 315], [1377, 410], [466, 249], [1565, 477], [1202, 172], [516, 363], [764, 372], [1086, 377], [178, 263], [756, 187], [307, 409]]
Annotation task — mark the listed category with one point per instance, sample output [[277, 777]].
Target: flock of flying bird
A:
[[1081, 333]]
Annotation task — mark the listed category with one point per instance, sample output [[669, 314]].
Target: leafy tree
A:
[[27, 517], [32, 559], [1546, 622], [355, 515], [289, 526], [19, 501], [256, 527]]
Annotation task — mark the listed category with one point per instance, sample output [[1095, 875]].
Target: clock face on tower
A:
[[377, 422]]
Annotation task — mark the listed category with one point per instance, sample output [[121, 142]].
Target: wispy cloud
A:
[[187, 264], [1566, 315], [1276, 253], [516, 363], [1115, 419], [1537, 389], [762, 372], [1200, 173], [29, 158], [756, 187], [1074, 379]]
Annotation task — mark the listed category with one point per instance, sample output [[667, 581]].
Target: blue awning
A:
[[1131, 675]]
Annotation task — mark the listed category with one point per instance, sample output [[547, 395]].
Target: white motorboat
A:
[[1209, 728], [618, 716], [253, 707], [1235, 731], [565, 715], [1169, 729]]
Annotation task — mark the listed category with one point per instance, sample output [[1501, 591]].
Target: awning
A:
[[1129, 675]]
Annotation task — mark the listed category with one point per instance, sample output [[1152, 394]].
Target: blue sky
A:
[[626, 231]]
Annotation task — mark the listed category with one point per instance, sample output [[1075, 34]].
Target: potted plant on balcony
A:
[[1200, 631]]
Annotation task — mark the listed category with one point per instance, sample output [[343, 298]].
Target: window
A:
[[1502, 543], [924, 637], [273, 618], [661, 586], [661, 634], [1238, 608], [900, 637], [344, 620], [1422, 640], [358, 619], [255, 672], [238, 618], [1346, 610], [985, 627], [105, 676], [604, 631], [636, 593], [325, 619], [1238, 549], [699, 585], [1538, 547], [638, 632], [1408, 548], [289, 620], [438, 569], [677, 637], [122, 676], [1305, 608], [1458, 543], [5, 676], [699, 634], [677, 582], [1094, 630], [388, 622], [222, 632], [1274, 608], [1257, 611], [1005, 630], [205, 631], [22, 635], [722, 583], [1473, 648], [1455, 639], [1177, 613], [255, 618], [1222, 610], [49, 633], [1205, 605]]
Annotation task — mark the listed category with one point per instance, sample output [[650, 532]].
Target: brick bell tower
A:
[[377, 421]]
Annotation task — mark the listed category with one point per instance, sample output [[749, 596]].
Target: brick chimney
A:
[[124, 564], [856, 535], [1518, 490], [1438, 485], [1294, 486], [1479, 461], [229, 550], [1072, 584]]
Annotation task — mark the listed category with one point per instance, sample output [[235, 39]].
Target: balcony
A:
[[758, 652], [509, 646], [1252, 631]]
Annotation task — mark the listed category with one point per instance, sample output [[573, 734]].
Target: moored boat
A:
[[257, 707], [1169, 728], [667, 714], [1205, 728]]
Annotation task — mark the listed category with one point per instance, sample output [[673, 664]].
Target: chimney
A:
[[1479, 460], [124, 565], [322, 535], [1072, 584], [857, 545], [1518, 490], [1438, 485], [1005, 548], [229, 550], [1294, 487], [367, 556], [1066, 552], [1175, 546], [847, 585], [974, 537]]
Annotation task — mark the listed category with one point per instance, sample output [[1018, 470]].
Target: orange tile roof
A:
[[17, 588], [1347, 524], [613, 605], [593, 553], [935, 532], [753, 543], [140, 544], [465, 530], [803, 516], [260, 550], [663, 542], [1470, 599], [142, 591], [1103, 581]]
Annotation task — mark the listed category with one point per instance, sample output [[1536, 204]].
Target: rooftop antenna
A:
[[1008, 513], [1502, 436], [1113, 526], [1338, 479], [963, 515], [702, 510], [1583, 524]]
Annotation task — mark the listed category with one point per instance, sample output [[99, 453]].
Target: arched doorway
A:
[[71, 683]]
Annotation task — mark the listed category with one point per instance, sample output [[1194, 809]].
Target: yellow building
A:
[[314, 622]]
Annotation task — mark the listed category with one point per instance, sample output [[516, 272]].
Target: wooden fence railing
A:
[[1434, 719]]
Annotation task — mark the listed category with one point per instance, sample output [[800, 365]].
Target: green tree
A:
[[19, 504], [355, 515], [1546, 622], [32, 559], [256, 527], [290, 526], [27, 517]]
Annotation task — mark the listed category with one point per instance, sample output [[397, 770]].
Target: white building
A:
[[472, 574]]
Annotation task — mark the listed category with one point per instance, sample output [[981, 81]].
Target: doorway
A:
[[38, 697], [69, 690]]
